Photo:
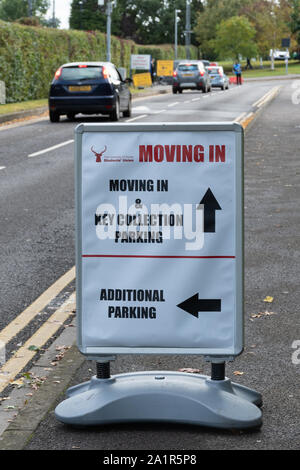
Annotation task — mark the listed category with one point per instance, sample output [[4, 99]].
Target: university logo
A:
[[99, 155]]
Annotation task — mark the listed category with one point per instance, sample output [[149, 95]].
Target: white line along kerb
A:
[[49, 149]]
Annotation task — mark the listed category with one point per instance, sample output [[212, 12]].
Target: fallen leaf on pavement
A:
[[190, 371], [269, 299], [237, 372], [256, 315], [19, 383]]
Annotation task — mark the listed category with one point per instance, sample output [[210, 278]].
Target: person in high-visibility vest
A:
[[238, 72]]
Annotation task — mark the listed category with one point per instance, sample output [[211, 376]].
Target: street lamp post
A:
[[80, 14], [29, 8], [53, 15], [188, 28], [108, 30], [176, 32], [109, 7]]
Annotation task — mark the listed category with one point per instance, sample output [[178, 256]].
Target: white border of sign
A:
[[98, 352]]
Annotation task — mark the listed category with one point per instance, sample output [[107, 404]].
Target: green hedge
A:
[[29, 56]]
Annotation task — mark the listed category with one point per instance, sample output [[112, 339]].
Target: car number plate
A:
[[80, 88], [187, 74]]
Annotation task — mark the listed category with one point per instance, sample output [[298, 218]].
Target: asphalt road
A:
[[37, 243]]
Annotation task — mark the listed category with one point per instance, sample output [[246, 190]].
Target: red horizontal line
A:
[[154, 256]]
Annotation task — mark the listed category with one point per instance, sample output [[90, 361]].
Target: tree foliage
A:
[[295, 19], [208, 20], [12, 10], [86, 15], [235, 37], [144, 21]]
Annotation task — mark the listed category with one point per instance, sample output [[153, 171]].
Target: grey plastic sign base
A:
[[160, 396]]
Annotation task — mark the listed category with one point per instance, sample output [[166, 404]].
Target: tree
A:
[[87, 15], [235, 37], [144, 21], [270, 19], [12, 10], [295, 20], [209, 18]]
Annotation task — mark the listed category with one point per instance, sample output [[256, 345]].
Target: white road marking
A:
[[158, 112], [144, 109], [49, 149], [173, 104], [137, 117], [188, 101], [2, 167], [196, 99]]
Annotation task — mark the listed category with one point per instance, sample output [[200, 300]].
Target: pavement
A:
[[272, 254]]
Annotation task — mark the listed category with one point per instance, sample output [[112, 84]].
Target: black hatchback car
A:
[[89, 88]]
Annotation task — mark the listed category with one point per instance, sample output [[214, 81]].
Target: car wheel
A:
[[54, 116], [128, 111], [204, 89], [115, 115], [71, 116], [174, 90], [179, 90]]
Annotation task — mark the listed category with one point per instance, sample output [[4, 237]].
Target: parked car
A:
[[205, 62], [89, 88], [279, 55], [218, 78], [192, 75]]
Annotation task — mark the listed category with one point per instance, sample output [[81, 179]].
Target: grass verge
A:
[[22, 106], [293, 68]]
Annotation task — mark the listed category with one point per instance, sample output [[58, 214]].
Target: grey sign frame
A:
[[237, 129]]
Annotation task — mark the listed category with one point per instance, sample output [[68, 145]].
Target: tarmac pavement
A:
[[272, 252]]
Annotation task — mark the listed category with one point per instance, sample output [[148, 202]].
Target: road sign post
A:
[[160, 271]]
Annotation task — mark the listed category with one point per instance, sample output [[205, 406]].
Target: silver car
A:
[[192, 75], [218, 77]]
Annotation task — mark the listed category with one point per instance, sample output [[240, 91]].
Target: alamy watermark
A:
[[138, 223], [296, 353], [296, 94]]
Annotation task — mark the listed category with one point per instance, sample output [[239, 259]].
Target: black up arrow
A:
[[193, 305], [211, 205]]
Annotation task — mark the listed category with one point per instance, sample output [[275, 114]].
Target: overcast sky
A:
[[62, 11]]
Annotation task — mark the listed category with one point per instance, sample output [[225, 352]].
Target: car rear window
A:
[[81, 73], [213, 70], [187, 68]]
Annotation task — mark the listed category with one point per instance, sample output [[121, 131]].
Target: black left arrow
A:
[[211, 205], [193, 305]]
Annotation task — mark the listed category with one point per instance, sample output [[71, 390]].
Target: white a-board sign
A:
[[160, 238]]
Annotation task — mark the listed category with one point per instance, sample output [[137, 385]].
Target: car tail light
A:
[[82, 66], [58, 73], [174, 73], [201, 73], [105, 73], [220, 73]]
